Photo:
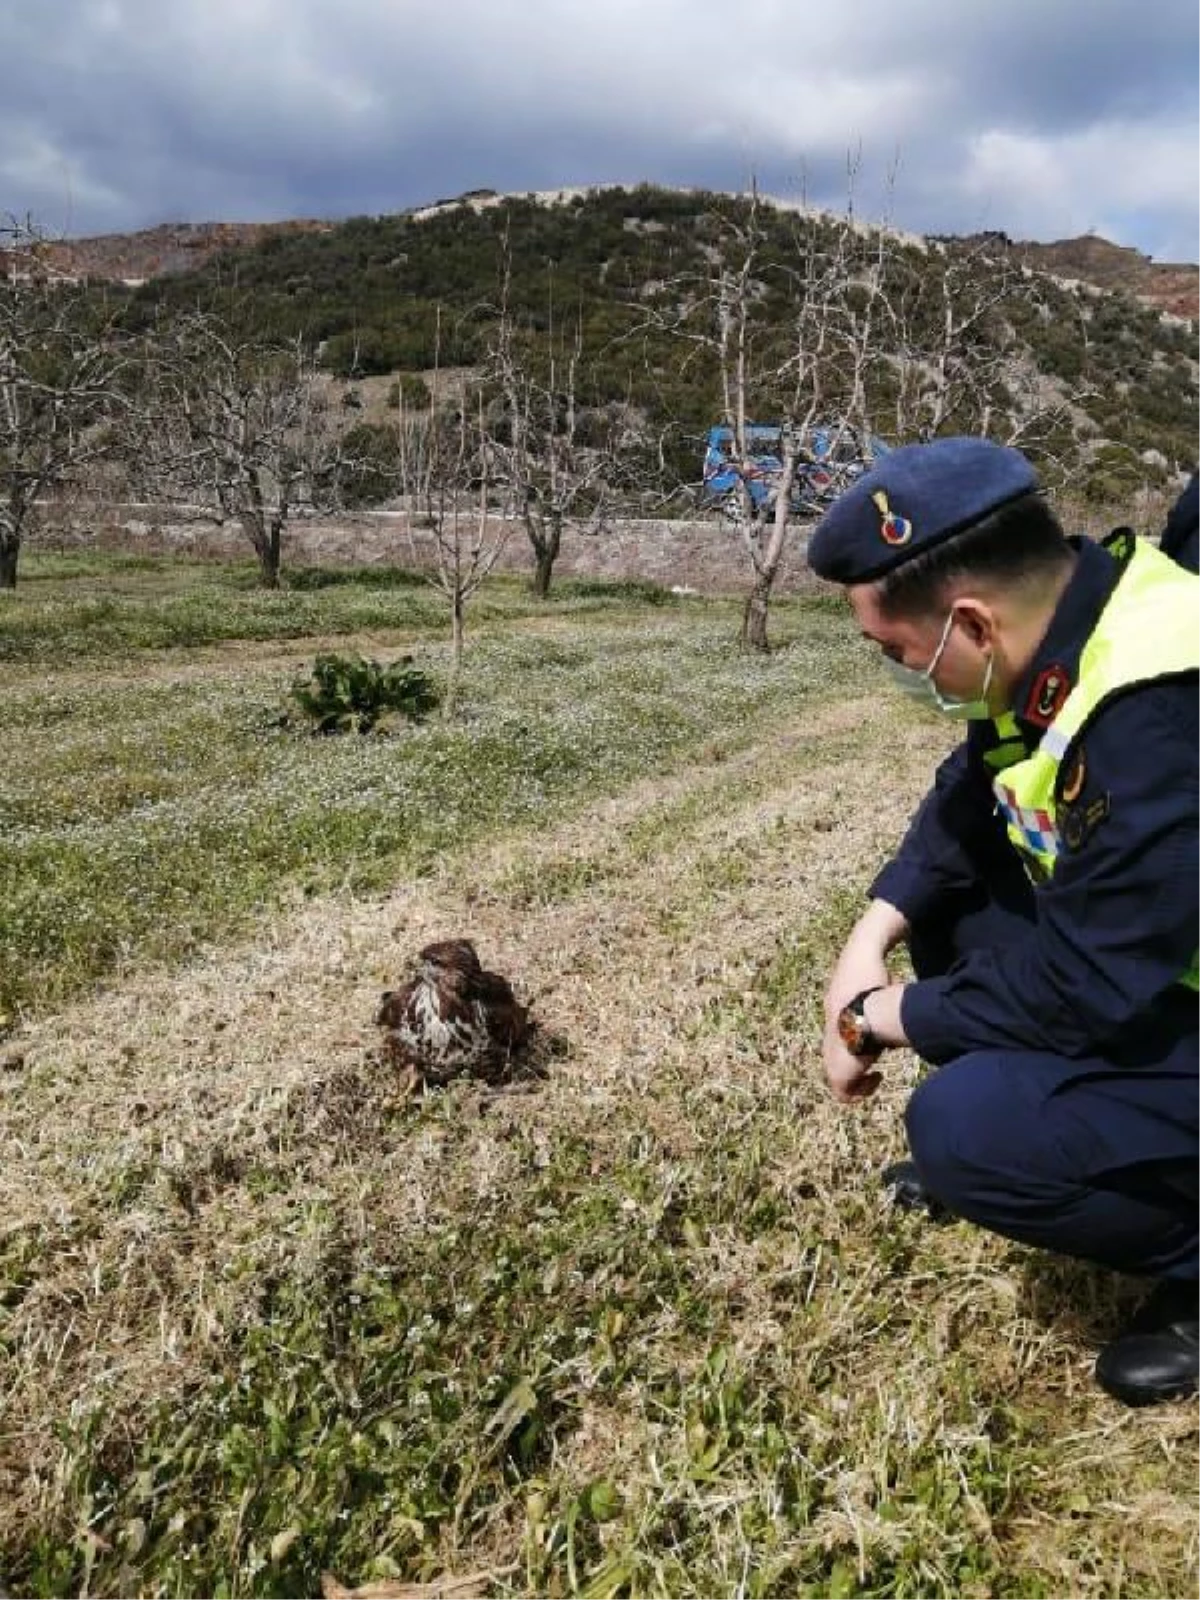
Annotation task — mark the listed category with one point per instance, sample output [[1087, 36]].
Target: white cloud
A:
[[1091, 180]]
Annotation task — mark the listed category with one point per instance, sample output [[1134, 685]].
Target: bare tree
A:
[[958, 361], [561, 464], [792, 335], [240, 423], [446, 468], [63, 360]]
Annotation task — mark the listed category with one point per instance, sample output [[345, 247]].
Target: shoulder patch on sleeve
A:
[[1077, 823], [1074, 777]]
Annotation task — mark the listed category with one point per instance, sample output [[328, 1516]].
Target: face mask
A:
[[919, 685]]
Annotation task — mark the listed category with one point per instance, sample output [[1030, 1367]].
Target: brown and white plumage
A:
[[454, 1017]]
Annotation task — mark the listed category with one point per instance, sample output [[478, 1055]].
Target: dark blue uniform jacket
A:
[[1094, 974], [1181, 536]]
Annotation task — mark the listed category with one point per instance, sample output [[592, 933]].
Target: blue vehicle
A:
[[832, 457]]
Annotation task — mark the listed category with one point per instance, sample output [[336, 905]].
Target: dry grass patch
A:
[[644, 1327]]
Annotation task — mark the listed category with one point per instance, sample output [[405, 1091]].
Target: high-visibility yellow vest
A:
[[1148, 630]]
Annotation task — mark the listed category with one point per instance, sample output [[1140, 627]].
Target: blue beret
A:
[[911, 500]]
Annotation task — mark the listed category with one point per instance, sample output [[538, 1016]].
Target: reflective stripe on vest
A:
[[1147, 631]]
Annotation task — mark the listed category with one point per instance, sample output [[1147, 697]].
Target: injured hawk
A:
[[454, 1017]]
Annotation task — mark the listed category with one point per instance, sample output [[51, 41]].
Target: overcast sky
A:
[[1042, 118]]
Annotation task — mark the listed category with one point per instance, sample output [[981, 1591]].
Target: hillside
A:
[[1168, 286], [1111, 377], [186, 246], [170, 247]]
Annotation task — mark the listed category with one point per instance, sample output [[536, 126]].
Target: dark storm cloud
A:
[[1041, 117]]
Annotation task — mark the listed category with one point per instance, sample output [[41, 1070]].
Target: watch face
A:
[[851, 1029]]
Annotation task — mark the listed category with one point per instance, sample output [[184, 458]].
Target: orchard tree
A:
[[790, 336], [447, 475], [561, 461], [63, 365], [240, 424], [957, 360]]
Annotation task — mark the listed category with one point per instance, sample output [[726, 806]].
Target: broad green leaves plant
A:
[[351, 694]]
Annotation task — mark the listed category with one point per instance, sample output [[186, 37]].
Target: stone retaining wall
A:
[[706, 556]]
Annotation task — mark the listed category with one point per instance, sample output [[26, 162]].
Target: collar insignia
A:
[[893, 528], [1048, 695]]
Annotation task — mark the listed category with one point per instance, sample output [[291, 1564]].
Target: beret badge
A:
[[893, 528]]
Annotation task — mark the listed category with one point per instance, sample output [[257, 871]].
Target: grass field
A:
[[640, 1325]]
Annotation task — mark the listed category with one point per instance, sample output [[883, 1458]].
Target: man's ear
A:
[[978, 620]]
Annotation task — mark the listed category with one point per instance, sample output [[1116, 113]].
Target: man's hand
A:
[[863, 965], [849, 1077], [852, 1077]]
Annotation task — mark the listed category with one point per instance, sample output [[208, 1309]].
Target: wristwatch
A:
[[853, 1028]]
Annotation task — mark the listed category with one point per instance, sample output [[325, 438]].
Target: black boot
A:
[[909, 1193], [1157, 1355]]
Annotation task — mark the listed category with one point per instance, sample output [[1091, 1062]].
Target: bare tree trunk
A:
[[456, 630], [274, 552], [765, 543], [268, 566], [263, 531], [457, 604], [754, 616], [546, 541], [266, 549], [10, 549], [263, 534]]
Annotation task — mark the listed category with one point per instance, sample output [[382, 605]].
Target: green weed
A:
[[349, 693]]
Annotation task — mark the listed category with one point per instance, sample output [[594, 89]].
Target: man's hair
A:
[[1019, 544]]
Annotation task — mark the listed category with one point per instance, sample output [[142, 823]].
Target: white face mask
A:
[[918, 684]]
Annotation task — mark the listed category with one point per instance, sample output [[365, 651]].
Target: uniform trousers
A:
[[1094, 1158]]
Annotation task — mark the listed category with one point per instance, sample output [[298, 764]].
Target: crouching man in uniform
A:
[[1047, 885]]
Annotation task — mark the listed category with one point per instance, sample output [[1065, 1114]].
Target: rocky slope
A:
[[1169, 286], [169, 247]]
